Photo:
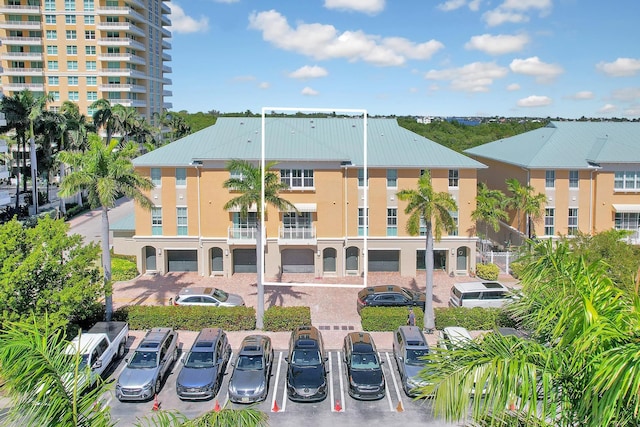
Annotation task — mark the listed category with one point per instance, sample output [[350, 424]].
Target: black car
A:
[[390, 296], [366, 381], [306, 374]]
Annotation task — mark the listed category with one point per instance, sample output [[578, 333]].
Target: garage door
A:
[[384, 260], [244, 261], [182, 260], [297, 261]]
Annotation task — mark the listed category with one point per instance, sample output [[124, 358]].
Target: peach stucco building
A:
[[321, 159]]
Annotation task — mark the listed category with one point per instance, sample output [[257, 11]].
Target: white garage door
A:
[[297, 261]]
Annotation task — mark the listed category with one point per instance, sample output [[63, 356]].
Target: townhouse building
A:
[[321, 160], [588, 171], [85, 50]]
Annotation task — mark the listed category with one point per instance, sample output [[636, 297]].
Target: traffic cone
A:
[[399, 408], [156, 404], [275, 406], [338, 407], [216, 407]]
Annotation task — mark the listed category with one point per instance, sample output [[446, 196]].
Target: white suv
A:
[[480, 294]]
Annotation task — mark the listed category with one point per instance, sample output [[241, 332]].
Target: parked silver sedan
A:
[[212, 297], [250, 379]]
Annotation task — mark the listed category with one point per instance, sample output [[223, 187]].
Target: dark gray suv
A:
[[204, 366], [409, 348]]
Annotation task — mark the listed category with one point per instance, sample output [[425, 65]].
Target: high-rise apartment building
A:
[[85, 50]]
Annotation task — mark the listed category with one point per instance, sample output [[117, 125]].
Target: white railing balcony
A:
[[20, 41], [24, 71], [20, 25], [166, 45], [122, 88], [121, 72], [129, 102], [242, 235], [21, 9], [136, 3], [5, 198], [167, 105], [167, 93], [166, 22], [34, 87], [126, 57], [22, 56], [166, 81], [166, 32], [164, 7], [120, 26], [297, 235], [121, 41], [167, 69]]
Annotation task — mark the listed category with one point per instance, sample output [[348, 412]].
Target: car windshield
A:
[[414, 357], [220, 295], [407, 293], [250, 363], [305, 357], [144, 359], [199, 359], [364, 361]]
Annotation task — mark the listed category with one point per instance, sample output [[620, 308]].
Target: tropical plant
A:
[[35, 112], [245, 417], [430, 211], [106, 118], [247, 180], [490, 209], [525, 203], [46, 386], [105, 171], [578, 367]]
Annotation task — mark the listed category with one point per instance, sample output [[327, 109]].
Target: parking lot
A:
[[337, 409]]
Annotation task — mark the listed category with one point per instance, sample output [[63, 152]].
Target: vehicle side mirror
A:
[[97, 364], [382, 362], [286, 359], [326, 359], [401, 359], [232, 364], [126, 360]]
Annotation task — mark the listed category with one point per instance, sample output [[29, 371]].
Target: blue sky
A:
[[556, 58]]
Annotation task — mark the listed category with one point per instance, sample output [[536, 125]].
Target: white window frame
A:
[[156, 221], [572, 221], [156, 176], [361, 221], [550, 179], [298, 179], [392, 178], [574, 178], [182, 226], [549, 221], [626, 181], [392, 221], [181, 178], [454, 178]]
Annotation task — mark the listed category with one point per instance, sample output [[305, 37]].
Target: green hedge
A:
[[387, 318], [473, 319], [189, 318], [286, 318], [123, 269], [487, 271]]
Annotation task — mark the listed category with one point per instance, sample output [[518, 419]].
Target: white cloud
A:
[[513, 87], [621, 67], [474, 77], [309, 72], [450, 5], [307, 91], [633, 111], [497, 45], [542, 71], [629, 94], [515, 11], [534, 101], [323, 42], [181, 23], [264, 85], [607, 108], [365, 6], [414, 90], [582, 95]]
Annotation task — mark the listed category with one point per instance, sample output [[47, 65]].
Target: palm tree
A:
[[579, 366], [434, 210], [52, 127], [107, 118], [105, 171], [524, 202], [46, 386], [247, 180], [490, 209], [244, 417], [35, 111]]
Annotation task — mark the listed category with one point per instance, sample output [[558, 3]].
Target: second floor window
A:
[[454, 215], [392, 178], [181, 218], [573, 179], [573, 222], [156, 221], [549, 221], [297, 178], [362, 220], [392, 221]]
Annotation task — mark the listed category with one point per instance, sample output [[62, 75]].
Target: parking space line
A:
[[226, 395], [341, 382], [275, 387], [331, 384], [395, 384]]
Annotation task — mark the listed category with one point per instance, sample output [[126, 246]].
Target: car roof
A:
[[198, 290], [379, 289], [306, 337], [206, 339], [361, 342], [154, 338], [457, 333], [413, 336], [253, 345], [480, 286]]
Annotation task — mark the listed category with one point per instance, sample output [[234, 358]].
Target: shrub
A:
[[387, 318], [190, 318], [472, 318], [122, 268], [74, 209], [487, 271], [286, 318]]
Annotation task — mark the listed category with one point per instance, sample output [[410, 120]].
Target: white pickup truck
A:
[[100, 345]]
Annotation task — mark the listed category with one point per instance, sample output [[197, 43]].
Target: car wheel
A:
[[175, 355], [121, 350], [158, 385]]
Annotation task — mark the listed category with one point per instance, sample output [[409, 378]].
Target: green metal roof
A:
[[309, 139], [567, 145], [127, 223]]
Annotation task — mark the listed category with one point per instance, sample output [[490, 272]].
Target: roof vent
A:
[[313, 126], [248, 140], [241, 123]]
